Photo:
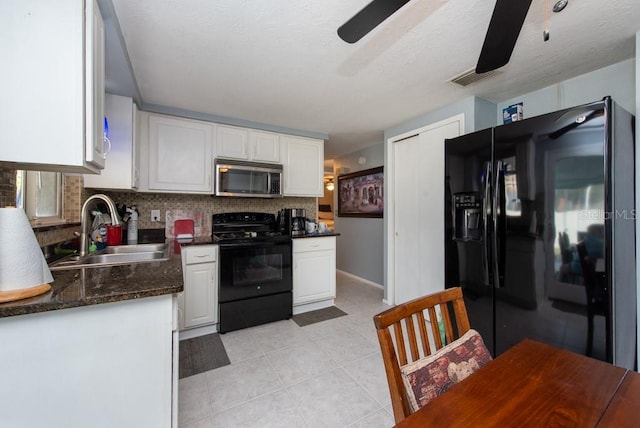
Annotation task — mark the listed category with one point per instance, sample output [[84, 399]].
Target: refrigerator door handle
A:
[[496, 229], [486, 212]]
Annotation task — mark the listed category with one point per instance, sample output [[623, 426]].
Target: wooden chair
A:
[[407, 321]]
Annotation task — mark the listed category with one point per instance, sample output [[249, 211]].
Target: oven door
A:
[[254, 269]]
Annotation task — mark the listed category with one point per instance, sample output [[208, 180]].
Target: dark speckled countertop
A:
[[92, 286], [316, 235]]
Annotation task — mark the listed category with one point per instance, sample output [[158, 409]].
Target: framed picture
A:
[[360, 194]]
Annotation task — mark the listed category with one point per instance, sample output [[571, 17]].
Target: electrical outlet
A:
[[155, 215]]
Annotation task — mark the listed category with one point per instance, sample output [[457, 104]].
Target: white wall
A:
[[478, 114], [616, 80], [359, 248]]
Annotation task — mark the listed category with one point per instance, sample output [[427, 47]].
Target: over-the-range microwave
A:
[[247, 179]]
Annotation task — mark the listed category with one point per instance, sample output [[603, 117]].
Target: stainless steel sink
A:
[[139, 248], [111, 256]]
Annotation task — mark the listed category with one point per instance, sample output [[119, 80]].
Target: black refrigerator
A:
[[540, 231]]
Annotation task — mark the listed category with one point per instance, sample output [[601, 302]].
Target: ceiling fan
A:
[[504, 28]]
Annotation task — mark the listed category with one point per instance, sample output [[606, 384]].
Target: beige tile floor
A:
[[328, 374]]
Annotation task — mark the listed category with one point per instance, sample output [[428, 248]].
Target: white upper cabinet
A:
[[247, 144], [264, 146], [232, 142], [303, 166], [51, 115], [121, 169], [179, 155]]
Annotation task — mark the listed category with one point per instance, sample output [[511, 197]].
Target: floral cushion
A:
[[430, 376]]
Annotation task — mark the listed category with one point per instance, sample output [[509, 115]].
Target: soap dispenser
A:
[[132, 226]]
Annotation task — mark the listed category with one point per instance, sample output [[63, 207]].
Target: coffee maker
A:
[[291, 221]]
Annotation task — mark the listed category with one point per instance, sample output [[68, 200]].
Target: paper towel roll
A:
[[22, 264]]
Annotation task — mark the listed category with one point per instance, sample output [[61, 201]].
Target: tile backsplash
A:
[[7, 187], [167, 203], [145, 202]]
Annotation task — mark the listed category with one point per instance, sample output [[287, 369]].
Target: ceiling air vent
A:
[[470, 76]]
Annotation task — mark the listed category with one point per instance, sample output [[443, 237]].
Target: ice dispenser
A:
[[467, 216]]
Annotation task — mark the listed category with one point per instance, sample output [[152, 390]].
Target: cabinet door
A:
[[50, 59], [303, 166], [119, 169], [179, 155], [232, 142], [264, 146], [199, 295], [314, 276], [94, 103]]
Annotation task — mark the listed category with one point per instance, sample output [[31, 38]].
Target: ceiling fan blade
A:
[[368, 19], [504, 28]]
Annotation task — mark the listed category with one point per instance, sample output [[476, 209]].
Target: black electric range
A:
[[255, 272]]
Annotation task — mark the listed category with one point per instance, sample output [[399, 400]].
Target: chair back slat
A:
[[411, 337], [448, 325], [414, 312], [435, 329], [424, 336], [401, 349]]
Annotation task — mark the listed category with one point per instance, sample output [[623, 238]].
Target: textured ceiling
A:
[[280, 62]]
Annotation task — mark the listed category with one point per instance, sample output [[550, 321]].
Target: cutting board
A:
[[24, 293], [183, 227]]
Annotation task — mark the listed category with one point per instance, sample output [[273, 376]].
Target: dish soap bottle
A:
[[132, 226]]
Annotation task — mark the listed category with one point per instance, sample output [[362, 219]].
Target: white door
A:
[[418, 211]]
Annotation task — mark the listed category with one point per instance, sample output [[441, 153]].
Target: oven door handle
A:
[[249, 244]]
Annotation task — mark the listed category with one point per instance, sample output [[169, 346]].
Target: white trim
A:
[[389, 219], [198, 331], [313, 306], [366, 281]]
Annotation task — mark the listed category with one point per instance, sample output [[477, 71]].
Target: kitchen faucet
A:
[[115, 221]]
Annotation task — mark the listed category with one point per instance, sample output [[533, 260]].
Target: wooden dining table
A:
[[537, 385]]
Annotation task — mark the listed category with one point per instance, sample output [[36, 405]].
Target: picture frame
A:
[[360, 194]]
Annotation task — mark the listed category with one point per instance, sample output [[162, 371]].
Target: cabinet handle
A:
[[108, 150]]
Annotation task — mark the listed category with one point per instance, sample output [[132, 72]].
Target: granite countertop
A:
[[91, 286], [316, 235]]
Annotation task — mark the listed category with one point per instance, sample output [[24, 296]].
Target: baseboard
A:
[[198, 331], [375, 284], [307, 307]]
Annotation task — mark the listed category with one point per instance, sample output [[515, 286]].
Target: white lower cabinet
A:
[[314, 272], [198, 304], [107, 365]]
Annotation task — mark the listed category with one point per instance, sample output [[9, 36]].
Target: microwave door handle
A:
[[268, 183]]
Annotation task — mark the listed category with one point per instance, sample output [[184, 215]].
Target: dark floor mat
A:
[[202, 354], [318, 316]]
